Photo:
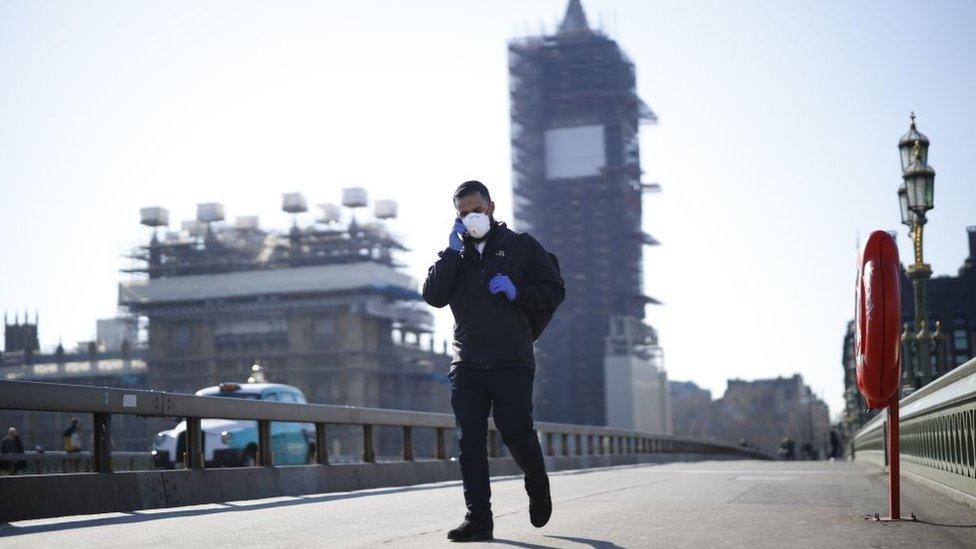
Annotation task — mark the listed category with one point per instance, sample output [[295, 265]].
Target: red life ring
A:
[[877, 337]]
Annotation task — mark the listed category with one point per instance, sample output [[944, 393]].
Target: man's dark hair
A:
[[469, 188]]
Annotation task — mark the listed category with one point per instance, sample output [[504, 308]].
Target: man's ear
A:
[[491, 208]]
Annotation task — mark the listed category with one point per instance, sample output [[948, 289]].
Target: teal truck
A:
[[234, 443]]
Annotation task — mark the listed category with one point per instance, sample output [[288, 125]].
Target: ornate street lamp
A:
[[915, 199], [907, 143], [919, 183]]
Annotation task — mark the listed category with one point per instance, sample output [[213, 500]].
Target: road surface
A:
[[704, 504]]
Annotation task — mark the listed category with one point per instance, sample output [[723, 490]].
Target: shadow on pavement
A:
[[514, 543], [7, 529], [932, 523], [595, 543]]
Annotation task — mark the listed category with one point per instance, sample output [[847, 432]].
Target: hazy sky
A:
[[776, 145]]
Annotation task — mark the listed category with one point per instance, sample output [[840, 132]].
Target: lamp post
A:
[[915, 199]]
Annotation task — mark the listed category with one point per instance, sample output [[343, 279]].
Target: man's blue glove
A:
[[455, 240], [502, 284]]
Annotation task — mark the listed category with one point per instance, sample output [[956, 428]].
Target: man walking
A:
[[494, 280], [11, 444]]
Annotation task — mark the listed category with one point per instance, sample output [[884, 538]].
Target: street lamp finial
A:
[[912, 116]]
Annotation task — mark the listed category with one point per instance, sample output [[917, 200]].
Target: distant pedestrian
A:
[[12, 445], [72, 436], [808, 453], [787, 449], [835, 451]]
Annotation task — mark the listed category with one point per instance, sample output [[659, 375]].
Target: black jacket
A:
[[11, 445], [489, 330]]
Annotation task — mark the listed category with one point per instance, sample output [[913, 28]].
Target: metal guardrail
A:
[[937, 435], [103, 490], [103, 402], [74, 462]]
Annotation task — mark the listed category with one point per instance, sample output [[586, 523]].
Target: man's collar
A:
[[496, 234]]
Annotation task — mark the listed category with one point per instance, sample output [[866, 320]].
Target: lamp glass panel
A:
[[920, 185], [911, 189], [906, 156], [903, 206]]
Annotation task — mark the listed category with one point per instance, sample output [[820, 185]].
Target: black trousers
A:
[[508, 394]]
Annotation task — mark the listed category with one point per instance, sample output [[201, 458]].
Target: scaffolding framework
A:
[[222, 249], [580, 78]]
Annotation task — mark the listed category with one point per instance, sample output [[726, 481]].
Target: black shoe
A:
[[540, 508], [473, 529]]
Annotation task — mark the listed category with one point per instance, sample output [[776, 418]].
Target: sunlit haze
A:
[[776, 145]]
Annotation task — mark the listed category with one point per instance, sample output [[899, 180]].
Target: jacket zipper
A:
[[481, 267]]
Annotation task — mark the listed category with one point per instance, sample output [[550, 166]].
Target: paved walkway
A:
[[706, 504]]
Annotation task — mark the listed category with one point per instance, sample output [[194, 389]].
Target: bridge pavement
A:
[[704, 504]]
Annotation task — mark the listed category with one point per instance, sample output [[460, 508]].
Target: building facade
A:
[[324, 308], [19, 339], [691, 409], [950, 303], [576, 183], [856, 412], [636, 383], [89, 364], [759, 413], [765, 411]]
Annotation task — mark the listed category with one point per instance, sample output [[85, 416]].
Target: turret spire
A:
[[574, 22]]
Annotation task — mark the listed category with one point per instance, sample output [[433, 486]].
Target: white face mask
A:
[[477, 224]]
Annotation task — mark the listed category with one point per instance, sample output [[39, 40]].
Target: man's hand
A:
[[502, 284], [455, 239]]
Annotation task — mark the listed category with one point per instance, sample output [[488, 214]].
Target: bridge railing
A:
[[104, 402], [937, 434], [110, 489], [74, 462]]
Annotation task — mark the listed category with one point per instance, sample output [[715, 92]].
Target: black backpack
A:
[[539, 319]]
